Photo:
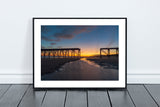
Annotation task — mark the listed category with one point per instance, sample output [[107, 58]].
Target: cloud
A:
[[68, 33], [72, 32], [83, 29], [53, 43], [46, 38], [64, 36]]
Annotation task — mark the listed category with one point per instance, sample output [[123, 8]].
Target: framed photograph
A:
[[79, 52]]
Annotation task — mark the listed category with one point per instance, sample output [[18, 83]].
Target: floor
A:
[[135, 96]]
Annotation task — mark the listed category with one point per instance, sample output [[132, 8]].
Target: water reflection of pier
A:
[[62, 52], [107, 51]]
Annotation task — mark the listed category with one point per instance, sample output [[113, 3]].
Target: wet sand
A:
[[107, 62], [83, 69], [49, 65]]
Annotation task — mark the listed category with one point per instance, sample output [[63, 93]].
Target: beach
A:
[[80, 68]]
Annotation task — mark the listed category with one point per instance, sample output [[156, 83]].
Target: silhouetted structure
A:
[[62, 52], [107, 51]]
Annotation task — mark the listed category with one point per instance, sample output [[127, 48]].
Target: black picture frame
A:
[[33, 26]]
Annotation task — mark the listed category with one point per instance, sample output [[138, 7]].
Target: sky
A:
[[88, 38]]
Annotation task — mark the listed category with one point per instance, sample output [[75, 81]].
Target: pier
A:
[[62, 52], [107, 51]]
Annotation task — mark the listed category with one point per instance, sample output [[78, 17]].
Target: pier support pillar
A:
[[108, 51], [100, 53]]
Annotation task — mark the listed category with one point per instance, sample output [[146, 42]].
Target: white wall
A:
[[16, 33]]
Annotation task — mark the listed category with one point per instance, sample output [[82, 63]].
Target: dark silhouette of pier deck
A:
[[62, 52], [106, 51]]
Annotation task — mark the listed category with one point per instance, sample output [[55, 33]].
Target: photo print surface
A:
[[80, 52]]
